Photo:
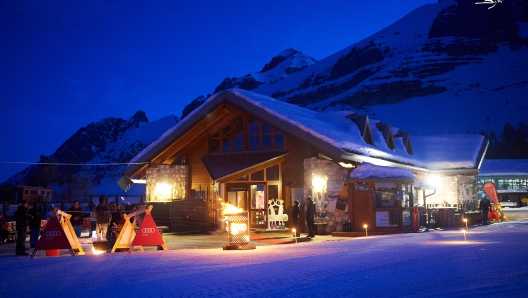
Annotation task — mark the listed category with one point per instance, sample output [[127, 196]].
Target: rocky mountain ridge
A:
[[449, 67]]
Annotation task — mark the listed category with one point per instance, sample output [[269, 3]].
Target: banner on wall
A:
[[342, 199]]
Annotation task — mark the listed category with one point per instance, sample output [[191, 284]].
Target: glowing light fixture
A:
[[318, 184], [465, 220], [434, 181], [365, 226], [163, 188]]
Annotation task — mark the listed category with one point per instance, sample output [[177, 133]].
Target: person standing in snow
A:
[[34, 224], [115, 225], [295, 217], [22, 218], [102, 218], [310, 217], [77, 218], [485, 207]]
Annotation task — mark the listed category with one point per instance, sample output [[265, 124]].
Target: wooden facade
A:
[[243, 149], [203, 190]]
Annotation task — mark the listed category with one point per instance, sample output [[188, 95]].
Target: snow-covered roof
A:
[[504, 167], [337, 133], [369, 171]]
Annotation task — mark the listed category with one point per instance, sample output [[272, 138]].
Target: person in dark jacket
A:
[[310, 217], [115, 225], [34, 224], [22, 218], [295, 217], [102, 218], [485, 207], [77, 218]]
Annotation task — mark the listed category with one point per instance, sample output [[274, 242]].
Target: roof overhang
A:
[[381, 162], [225, 167]]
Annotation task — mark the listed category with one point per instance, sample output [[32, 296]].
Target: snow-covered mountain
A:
[[92, 160], [285, 64], [449, 67]]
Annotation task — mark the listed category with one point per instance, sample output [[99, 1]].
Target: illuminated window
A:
[[233, 137]]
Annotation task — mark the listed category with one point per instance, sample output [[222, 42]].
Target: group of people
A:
[[25, 217], [310, 217], [108, 222], [31, 218]]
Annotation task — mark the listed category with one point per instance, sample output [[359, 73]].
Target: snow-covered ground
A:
[[491, 263]]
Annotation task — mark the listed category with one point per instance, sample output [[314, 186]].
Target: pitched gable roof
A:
[[406, 139], [386, 131], [363, 123], [332, 133]]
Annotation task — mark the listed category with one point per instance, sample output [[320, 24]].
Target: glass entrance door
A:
[[238, 198], [257, 206]]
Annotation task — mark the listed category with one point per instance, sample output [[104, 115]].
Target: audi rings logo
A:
[[53, 233], [148, 230]]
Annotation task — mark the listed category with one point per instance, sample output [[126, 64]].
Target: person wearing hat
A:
[[310, 217]]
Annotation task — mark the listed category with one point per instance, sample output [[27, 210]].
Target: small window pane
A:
[[266, 128], [238, 125], [226, 146], [272, 173], [214, 143], [253, 143], [238, 143], [226, 132], [273, 192], [253, 127], [258, 176], [266, 141], [279, 140], [243, 178]]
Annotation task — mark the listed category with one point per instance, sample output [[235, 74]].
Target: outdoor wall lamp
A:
[[163, 192], [318, 184]]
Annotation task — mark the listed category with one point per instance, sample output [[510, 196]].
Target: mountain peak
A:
[[140, 116], [286, 63], [279, 58]]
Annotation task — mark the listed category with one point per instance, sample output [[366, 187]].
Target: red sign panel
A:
[[148, 234], [53, 236]]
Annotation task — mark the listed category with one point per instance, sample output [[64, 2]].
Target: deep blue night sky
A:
[[65, 64]]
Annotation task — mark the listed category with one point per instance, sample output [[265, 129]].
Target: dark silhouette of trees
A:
[[513, 142]]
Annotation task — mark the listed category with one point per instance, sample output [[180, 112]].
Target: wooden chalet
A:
[[250, 151]]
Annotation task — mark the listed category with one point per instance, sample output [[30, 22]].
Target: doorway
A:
[[250, 198]]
